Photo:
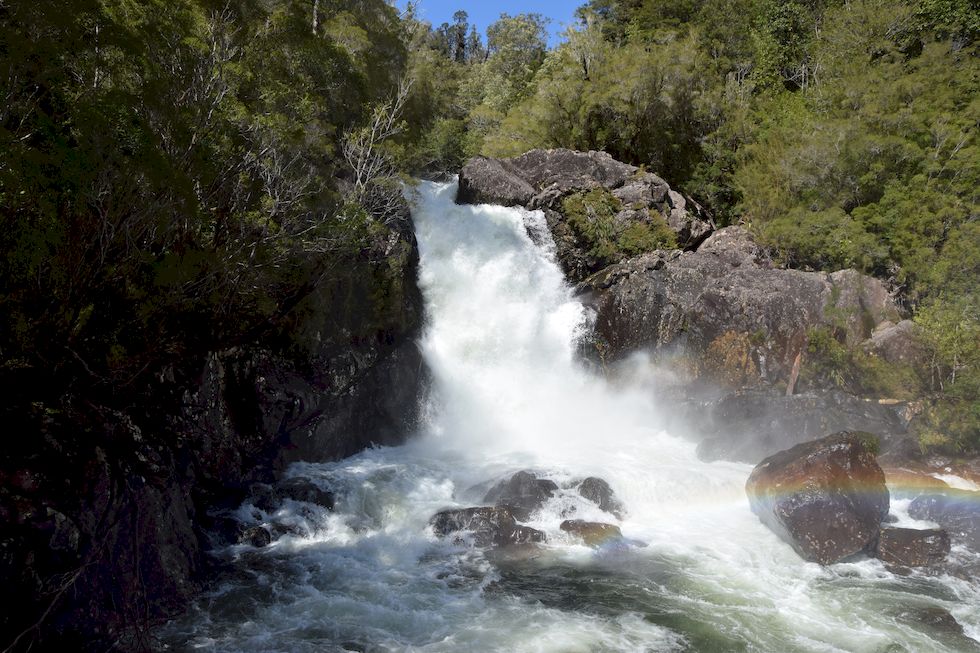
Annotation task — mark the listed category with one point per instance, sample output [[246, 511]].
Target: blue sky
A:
[[483, 13]]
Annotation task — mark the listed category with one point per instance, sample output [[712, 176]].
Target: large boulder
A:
[[910, 547], [826, 498], [523, 493], [484, 526], [738, 319], [636, 201]]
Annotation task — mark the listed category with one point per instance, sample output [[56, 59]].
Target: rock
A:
[[488, 526], [748, 425], [739, 321], [826, 498], [302, 489], [257, 536], [936, 618], [523, 493], [898, 344], [598, 492], [957, 511], [909, 547], [593, 533], [540, 179]]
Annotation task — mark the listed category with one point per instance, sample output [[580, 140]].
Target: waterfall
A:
[[698, 572]]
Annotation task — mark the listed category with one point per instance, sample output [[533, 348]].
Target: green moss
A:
[[592, 217]]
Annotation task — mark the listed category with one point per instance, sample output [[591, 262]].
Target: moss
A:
[[591, 215]]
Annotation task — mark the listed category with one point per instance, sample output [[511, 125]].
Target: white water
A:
[[509, 395]]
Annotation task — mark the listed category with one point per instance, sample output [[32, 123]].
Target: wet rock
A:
[[957, 511], [593, 533], [303, 489], [541, 179], [909, 547], [826, 498], [936, 618], [257, 536], [748, 425], [740, 321], [598, 492], [487, 526], [523, 493]]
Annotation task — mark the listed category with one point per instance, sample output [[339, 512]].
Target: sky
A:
[[483, 12]]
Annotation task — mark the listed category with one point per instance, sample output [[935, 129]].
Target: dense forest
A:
[[176, 176]]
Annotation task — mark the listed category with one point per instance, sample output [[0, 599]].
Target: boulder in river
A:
[[487, 525], [257, 536], [592, 533], [910, 547], [826, 498], [523, 493], [598, 492], [957, 511]]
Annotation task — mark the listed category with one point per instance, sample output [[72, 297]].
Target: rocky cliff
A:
[[105, 506], [734, 327]]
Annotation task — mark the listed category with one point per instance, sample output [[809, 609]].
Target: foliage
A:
[[592, 217]]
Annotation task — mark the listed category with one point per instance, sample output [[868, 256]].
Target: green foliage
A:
[[828, 361], [169, 174], [592, 216]]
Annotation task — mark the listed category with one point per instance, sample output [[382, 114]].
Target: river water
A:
[[700, 573]]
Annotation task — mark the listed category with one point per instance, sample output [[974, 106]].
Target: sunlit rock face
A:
[[826, 498]]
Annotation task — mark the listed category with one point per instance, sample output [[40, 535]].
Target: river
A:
[[698, 571]]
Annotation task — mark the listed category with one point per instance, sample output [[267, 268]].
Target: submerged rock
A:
[[598, 492], [593, 533], [257, 536], [826, 498], [487, 526], [523, 493], [910, 547]]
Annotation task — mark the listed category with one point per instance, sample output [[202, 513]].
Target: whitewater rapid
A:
[[509, 394]]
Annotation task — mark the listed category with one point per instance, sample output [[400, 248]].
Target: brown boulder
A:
[[910, 547], [826, 498], [593, 533]]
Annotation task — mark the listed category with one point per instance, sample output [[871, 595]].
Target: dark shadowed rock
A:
[[739, 320], [826, 498], [487, 526], [598, 492], [748, 425], [957, 511], [910, 547], [303, 489], [257, 536], [592, 533], [523, 493]]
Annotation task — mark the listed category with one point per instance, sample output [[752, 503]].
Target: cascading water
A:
[[509, 395]]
